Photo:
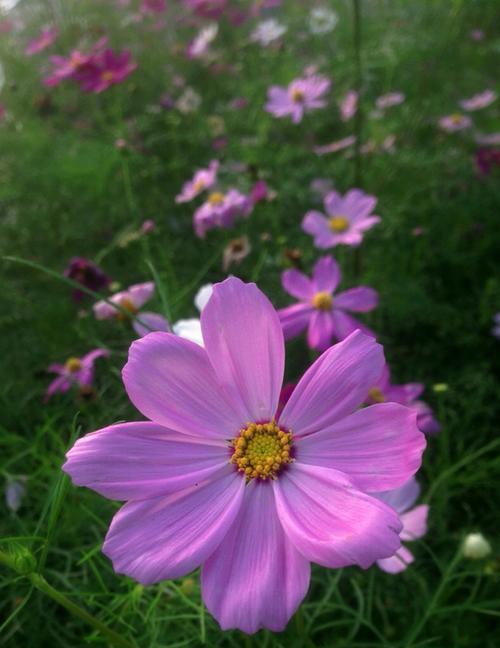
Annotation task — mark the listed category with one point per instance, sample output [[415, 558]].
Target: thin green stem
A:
[[358, 117]]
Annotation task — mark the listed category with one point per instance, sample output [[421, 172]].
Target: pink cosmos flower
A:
[[203, 179], [348, 218], [478, 101], [73, 65], [321, 312], [105, 70], [47, 36], [383, 391], [86, 273], [131, 300], [455, 122], [214, 479], [207, 8], [301, 96], [153, 6], [389, 100], [414, 522], [349, 105], [221, 210], [75, 371], [259, 192], [199, 47]]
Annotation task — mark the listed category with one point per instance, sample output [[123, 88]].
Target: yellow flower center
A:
[[261, 450], [73, 365], [199, 185], [128, 305], [322, 301], [338, 223], [216, 198], [297, 95], [107, 75], [377, 395]]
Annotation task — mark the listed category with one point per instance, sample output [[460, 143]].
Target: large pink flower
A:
[[301, 96], [215, 479], [348, 218], [323, 314]]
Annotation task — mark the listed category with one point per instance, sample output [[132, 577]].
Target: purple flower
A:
[[221, 210], [75, 371], [349, 105], [455, 122], [45, 39], [389, 100], [105, 70], [130, 299], [478, 101], [321, 312], [213, 478], [495, 331], [74, 65], [203, 179], [383, 391], [301, 96], [259, 192], [348, 218], [414, 521], [86, 273]]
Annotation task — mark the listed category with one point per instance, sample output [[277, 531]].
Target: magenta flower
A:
[[45, 39], [455, 122], [383, 391], [74, 372], [74, 65], [321, 312], [495, 331], [348, 218], [301, 96], [388, 100], [478, 101], [153, 6], [86, 273], [203, 179], [131, 300], [221, 210], [207, 8], [215, 479], [105, 70], [486, 159], [414, 521], [349, 105]]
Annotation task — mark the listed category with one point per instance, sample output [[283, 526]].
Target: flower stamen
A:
[[322, 301], [376, 395], [338, 224], [216, 198], [72, 365], [261, 450]]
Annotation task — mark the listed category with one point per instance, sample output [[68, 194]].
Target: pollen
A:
[[456, 118], [338, 224], [261, 450], [297, 95], [376, 395], [128, 305], [216, 198], [322, 301], [73, 365]]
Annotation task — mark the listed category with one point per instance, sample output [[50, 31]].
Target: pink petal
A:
[[402, 498], [415, 523], [314, 223], [141, 293], [59, 385], [168, 537], [320, 331], [361, 299], [148, 322], [331, 522], [90, 357], [296, 283], [345, 324], [244, 341], [397, 563], [131, 461], [256, 578], [335, 385], [380, 447], [294, 319], [326, 275], [171, 381]]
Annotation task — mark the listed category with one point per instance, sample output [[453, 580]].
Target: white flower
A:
[[189, 101], [268, 31], [322, 20], [191, 328], [476, 546], [199, 46]]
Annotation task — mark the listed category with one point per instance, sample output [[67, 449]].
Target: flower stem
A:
[[358, 117]]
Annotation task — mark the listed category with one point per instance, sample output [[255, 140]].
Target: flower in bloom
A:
[[476, 546], [495, 331], [348, 218], [455, 122], [478, 101], [74, 65], [389, 100], [129, 300], [75, 371], [323, 314], [45, 39], [322, 20], [203, 179], [199, 47], [301, 96], [221, 210], [349, 105], [268, 31], [105, 70], [86, 273], [214, 479], [383, 391], [414, 521]]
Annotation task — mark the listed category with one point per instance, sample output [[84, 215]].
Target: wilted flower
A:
[[323, 314], [221, 210], [301, 96], [200, 46], [349, 105], [74, 372], [268, 31], [214, 474], [45, 39], [322, 20], [130, 300], [235, 251], [455, 122], [389, 100], [348, 218], [478, 101], [414, 522], [476, 546], [88, 274], [203, 179]]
